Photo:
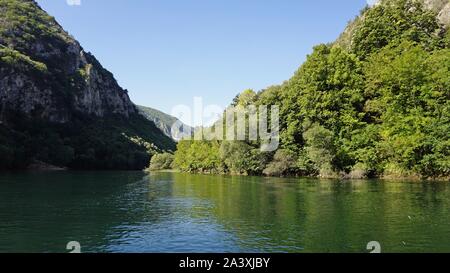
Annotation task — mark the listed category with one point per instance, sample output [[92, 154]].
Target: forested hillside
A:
[[376, 103]]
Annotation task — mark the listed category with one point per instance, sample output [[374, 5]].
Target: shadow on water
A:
[[41, 212]]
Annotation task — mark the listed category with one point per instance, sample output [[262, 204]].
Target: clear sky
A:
[[166, 52]]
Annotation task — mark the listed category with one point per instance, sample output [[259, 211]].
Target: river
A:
[[174, 212]]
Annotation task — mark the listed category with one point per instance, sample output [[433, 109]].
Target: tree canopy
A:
[[379, 107]]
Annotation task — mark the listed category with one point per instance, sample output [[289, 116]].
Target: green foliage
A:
[[235, 157], [365, 149], [12, 149], [376, 106], [410, 92], [327, 90], [241, 158], [199, 156], [162, 161], [269, 96], [85, 143], [283, 163], [25, 17], [20, 61], [446, 39], [321, 149], [394, 21], [248, 97]]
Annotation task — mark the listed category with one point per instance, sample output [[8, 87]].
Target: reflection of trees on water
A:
[[326, 216]]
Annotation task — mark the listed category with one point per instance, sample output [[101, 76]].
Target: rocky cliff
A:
[[442, 9], [59, 106], [44, 72]]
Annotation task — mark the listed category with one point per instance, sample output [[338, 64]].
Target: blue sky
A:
[[166, 52]]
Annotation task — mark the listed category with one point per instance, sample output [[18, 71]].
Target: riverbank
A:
[[42, 166], [387, 178]]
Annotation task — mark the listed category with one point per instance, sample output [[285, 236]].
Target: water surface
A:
[[172, 212]]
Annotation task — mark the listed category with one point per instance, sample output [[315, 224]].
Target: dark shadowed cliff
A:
[[58, 105]]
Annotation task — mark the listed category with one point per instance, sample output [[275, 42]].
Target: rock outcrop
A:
[[44, 72], [169, 125], [59, 106]]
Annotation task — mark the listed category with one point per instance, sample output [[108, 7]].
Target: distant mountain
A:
[[58, 104], [165, 122]]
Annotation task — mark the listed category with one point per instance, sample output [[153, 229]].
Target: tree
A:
[[199, 156], [320, 148], [409, 90], [328, 90], [248, 97], [162, 161], [394, 21], [283, 163], [241, 158]]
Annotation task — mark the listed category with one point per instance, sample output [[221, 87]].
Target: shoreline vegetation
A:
[[338, 178], [373, 104], [42, 166], [166, 162]]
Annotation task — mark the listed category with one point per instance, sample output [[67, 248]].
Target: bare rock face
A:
[[435, 5], [45, 73], [442, 8], [444, 15], [19, 92], [100, 94]]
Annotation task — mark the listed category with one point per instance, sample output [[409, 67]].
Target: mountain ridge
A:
[[165, 122]]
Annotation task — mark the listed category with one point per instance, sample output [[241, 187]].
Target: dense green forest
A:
[[375, 103], [162, 161], [112, 143]]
